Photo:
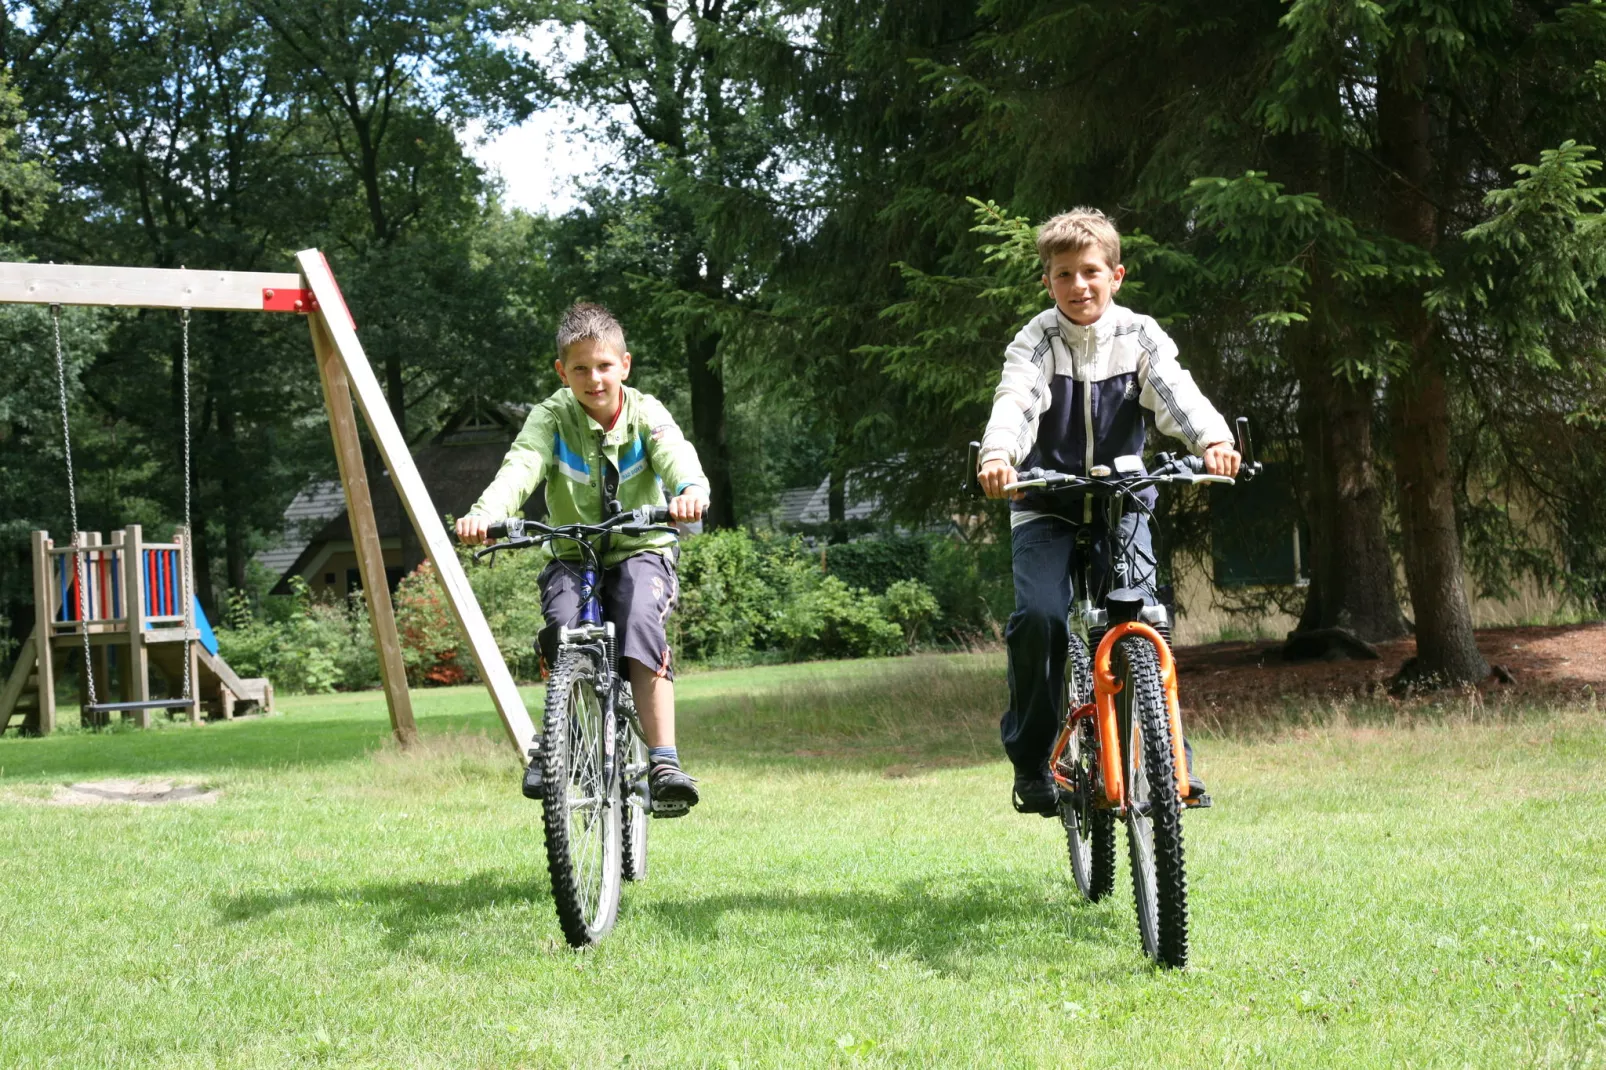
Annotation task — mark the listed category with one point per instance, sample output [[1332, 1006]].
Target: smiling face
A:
[[1082, 283], [596, 372]]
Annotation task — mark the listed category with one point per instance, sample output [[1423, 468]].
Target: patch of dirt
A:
[[1546, 663], [144, 792]]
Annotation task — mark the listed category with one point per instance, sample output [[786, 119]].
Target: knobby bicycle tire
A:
[[580, 809], [1089, 832], [636, 805], [1154, 818]]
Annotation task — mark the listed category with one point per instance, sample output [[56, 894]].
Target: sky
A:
[[539, 160]]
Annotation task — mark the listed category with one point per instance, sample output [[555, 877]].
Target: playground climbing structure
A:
[[346, 375], [135, 611]]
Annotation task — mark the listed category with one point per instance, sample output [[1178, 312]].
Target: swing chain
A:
[[80, 566], [189, 538]]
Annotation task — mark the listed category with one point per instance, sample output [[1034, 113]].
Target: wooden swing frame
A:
[[344, 371]]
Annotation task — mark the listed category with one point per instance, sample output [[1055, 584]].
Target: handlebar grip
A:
[[508, 527], [972, 482], [1193, 464], [655, 514]]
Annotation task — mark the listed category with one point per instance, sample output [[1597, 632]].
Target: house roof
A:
[[812, 505], [457, 465]]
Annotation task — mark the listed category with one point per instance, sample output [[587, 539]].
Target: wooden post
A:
[[332, 323], [138, 670], [44, 649], [364, 531]]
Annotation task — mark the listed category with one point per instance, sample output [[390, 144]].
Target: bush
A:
[[432, 647], [509, 594], [302, 644], [876, 564], [834, 620], [910, 604]]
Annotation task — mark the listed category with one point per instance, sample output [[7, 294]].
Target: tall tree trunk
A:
[[234, 522], [1352, 570], [1419, 395], [1351, 567], [836, 498], [708, 426]]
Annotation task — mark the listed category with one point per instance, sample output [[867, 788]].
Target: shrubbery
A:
[[743, 597], [301, 643]]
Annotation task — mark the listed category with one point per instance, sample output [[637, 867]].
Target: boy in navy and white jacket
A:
[[1077, 381]]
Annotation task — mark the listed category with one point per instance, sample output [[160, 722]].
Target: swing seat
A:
[[149, 704]]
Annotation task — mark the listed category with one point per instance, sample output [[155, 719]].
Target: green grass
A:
[[854, 891]]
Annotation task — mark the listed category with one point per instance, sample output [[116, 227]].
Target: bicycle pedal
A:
[[1198, 802], [670, 809], [533, 784]]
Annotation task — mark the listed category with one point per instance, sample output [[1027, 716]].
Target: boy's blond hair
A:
[[1078, 229], [586, 320]]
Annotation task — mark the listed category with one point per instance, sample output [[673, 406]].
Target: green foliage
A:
[[432, 646], [910, 604], [725, 601], [509, 595], [744, 596], [833, 620], [876, 564], [304, 645]]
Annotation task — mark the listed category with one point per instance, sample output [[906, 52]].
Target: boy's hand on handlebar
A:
[[688, 508], [474, 529], [1221, 459], [994, 476]]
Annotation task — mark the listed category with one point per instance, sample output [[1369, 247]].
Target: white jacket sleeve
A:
[[1022, 395], [1180, 408]]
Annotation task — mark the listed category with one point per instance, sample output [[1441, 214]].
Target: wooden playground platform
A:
[[132, 608]]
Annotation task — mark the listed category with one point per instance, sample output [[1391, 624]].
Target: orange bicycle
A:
[[1120, 754]]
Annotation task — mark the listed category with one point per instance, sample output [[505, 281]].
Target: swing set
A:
[[127, 593]]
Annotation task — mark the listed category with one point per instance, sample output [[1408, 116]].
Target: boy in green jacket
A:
[[593, 440]]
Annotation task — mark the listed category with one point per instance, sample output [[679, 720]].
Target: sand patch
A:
[[143, 792]]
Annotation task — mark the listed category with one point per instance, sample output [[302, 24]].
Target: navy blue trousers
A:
[[1046, 564]]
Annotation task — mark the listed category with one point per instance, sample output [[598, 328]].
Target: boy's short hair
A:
[[586, 320], [1077, 229]]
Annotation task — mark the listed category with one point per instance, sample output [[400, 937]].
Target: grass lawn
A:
[[854, 891]]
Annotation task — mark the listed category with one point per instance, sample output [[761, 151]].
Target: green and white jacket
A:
[[562, 444]]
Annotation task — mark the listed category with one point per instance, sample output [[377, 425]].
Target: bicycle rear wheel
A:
[[1089, 832], [1154, 811], [580, 807]]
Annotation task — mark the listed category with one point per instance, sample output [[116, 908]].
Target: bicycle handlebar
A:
[[519, 533], [1170, 470]]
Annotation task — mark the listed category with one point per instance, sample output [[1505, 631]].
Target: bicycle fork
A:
[[1102, 712]]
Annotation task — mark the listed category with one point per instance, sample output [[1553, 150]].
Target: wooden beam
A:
[[415, 498], [364, 530], [227, 291], [42, 606], [17, 682]]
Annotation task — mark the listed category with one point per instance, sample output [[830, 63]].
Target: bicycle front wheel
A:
[[1154, 809], [1089, 832], [637, 805], [580, 803]]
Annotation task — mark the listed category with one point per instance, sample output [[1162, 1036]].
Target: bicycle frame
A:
[[1087, 616]]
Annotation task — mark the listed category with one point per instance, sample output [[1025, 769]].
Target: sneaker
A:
[[1035, 793], [1196, 786], [673, 792]]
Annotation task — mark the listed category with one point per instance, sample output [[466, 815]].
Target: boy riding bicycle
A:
[[1075, 384], [597, 442]]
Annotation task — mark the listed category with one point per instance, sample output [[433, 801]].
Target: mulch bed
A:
[[1547, 664]]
